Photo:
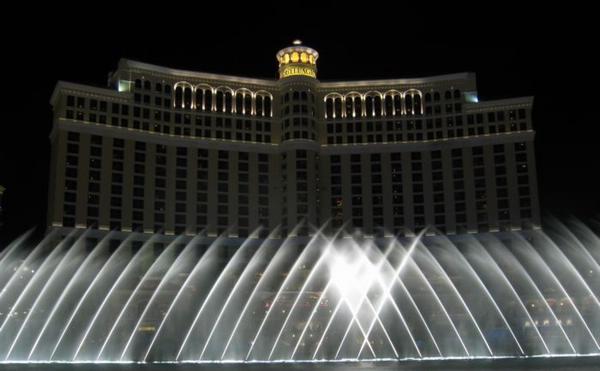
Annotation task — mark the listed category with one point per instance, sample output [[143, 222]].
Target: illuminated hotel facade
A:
[[180, 152]]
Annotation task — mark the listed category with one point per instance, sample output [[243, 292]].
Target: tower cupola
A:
[[297, 60]]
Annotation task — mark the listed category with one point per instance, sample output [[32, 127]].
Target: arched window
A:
[[413, 102], [259, 110], [427, 97], [243, 101], [187, 98], [373, 104], [328, 108], [348, 106], [239, 102], [262, 103], [184, 95], [208, 100], [448, 95], [203, 97], [398, 105], [248, 104], [436, 96], [178, 101], [354, 105], [219, 99], [408, 103], [337, 106], [456, 94], [228, 102], [389, 105], [269, 106], [224, 99], [199, 99], [333, 106], [417, 105], [393, 103]]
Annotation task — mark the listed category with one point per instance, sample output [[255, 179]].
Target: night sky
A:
[[547, 53]]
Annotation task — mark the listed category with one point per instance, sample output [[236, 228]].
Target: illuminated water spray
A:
[[81, 297]]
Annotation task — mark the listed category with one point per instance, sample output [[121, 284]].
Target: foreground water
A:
[[556, 364], [89, 296]]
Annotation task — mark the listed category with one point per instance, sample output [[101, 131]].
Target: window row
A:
[[223, 99], [373, 104]]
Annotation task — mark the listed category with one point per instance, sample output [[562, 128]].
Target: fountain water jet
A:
[[302, 298], [196, 269], [123, 276], [111, 263], [386, 296]]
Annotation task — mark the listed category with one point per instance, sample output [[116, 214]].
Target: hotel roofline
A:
[[88, 89], [128, 64]]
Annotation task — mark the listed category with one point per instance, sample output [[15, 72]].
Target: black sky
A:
[[515, 51]]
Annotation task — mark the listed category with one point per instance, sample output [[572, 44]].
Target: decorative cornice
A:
[[486, 106], [360, 84], [177, 73], [88, 90]]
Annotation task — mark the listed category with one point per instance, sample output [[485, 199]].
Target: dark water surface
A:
[[561, 364]]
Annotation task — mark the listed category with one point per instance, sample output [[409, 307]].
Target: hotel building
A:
[[180, 152]]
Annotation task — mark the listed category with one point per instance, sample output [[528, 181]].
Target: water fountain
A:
[[91, 296]]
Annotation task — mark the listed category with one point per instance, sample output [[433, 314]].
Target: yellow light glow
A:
[[304, 57], [146, 328], [286, 58], [292, 70], [311, 58], [295, 57]]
